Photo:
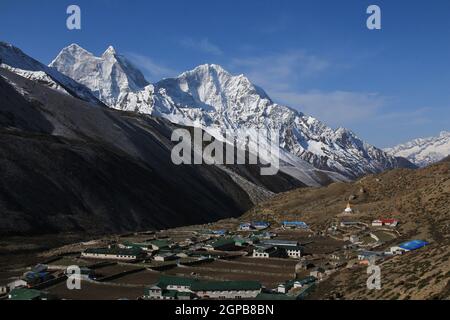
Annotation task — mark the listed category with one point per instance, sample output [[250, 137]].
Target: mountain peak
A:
[[214, 67], [74, 48], [207, 69], [216, 75], [71, 52], [211, 85], [108, 76], [342, 131], [110, 51]]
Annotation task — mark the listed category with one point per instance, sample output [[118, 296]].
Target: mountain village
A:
[[214, 158], [264, 256], [262, 260]]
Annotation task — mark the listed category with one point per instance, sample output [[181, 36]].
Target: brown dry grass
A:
[[419, 198]]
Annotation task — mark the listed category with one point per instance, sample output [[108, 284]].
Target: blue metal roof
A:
[[260, 223], [32, 275], [295, 223], [219, 231], [413, 244]]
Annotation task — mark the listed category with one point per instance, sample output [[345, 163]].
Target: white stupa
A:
[[348, 209]]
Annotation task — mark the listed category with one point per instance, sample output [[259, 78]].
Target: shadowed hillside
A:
[[67, 165]]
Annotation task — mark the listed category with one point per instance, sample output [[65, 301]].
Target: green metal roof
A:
[[290, 247], [240, 240], [165, 281], [26, 294], [160, 243], [273, 296], [170, 293], [184, 294], [137, 244], [225, 285], [115, 251], [222, 242]]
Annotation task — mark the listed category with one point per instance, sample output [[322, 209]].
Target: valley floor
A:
[[339, 272]]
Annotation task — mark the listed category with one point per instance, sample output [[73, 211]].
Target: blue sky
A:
[[317, 56]]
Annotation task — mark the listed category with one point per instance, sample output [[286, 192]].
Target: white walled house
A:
[[377, 223], [278, 248], [180, 288], [266, 252], [303, 282], [285, 287], [385, 222], [396, 250], [166, 256], [294, 252], [226, 289], [122, 254]]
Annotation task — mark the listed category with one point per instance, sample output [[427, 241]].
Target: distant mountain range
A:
[[424, 151], [211, 98]]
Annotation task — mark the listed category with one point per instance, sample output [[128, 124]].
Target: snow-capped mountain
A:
[[424, 151], [212, 98], [15, 60], [109, 77]]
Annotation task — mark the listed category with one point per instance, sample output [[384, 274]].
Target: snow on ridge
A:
[[17, 61], [212, 98], [110, 76], [424, 151]]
